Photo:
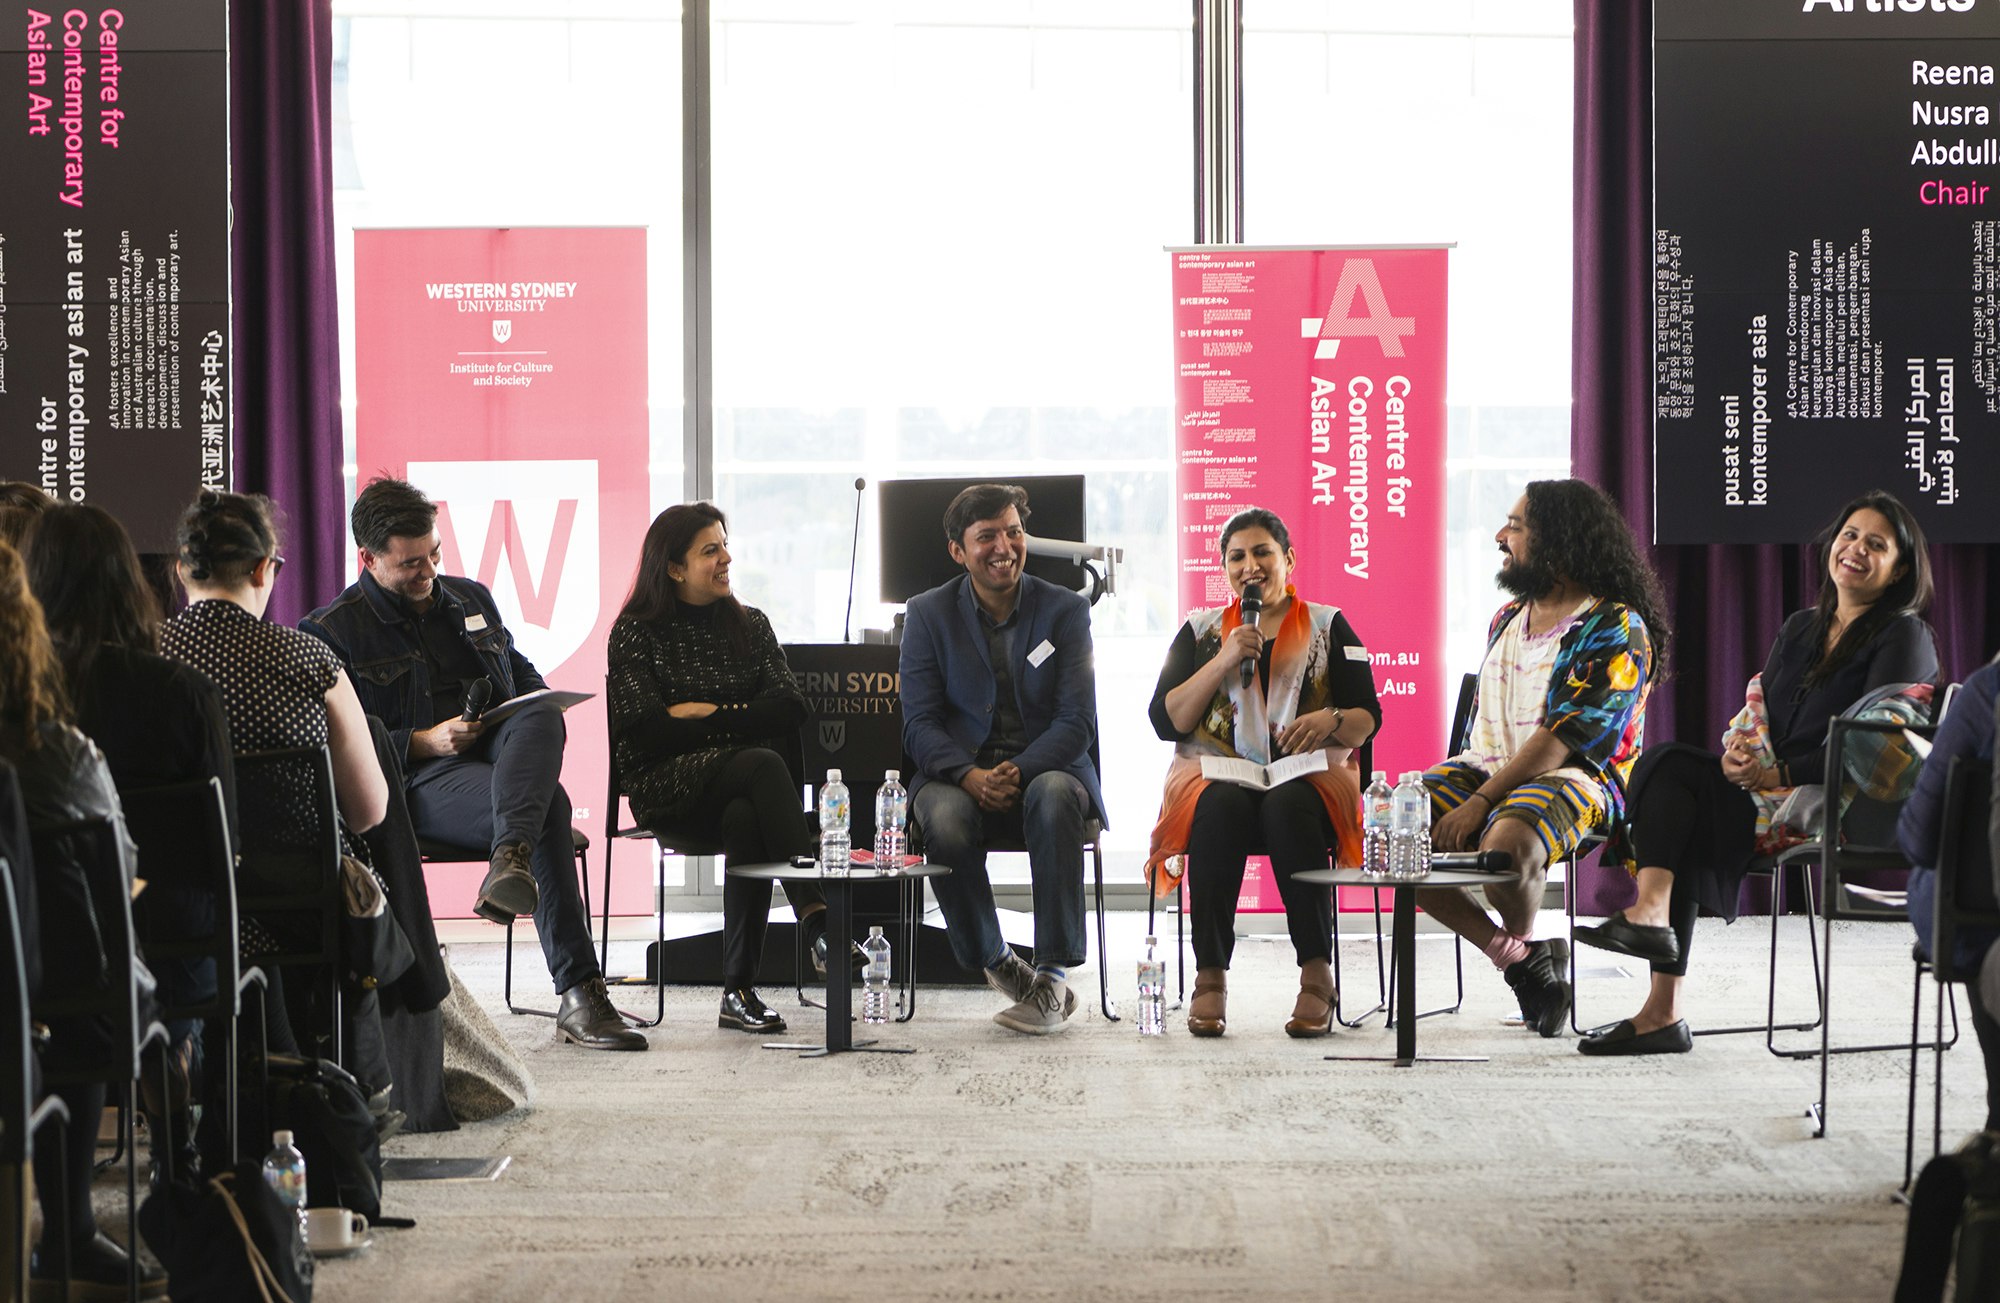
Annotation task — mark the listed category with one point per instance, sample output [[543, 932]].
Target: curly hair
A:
[[1579, 533], [31, 692]]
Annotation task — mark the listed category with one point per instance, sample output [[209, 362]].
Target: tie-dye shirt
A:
[[1592, 692]]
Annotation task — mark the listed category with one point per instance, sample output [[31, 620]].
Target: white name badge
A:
[[1041, 653], [475, 622], [1356, 653]]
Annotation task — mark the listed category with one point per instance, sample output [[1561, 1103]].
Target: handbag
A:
[[373, 948]]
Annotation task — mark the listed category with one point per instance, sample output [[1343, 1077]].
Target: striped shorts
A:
[[1562, 811]]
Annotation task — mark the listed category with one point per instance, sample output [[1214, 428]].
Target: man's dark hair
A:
[[982, 502], [1577, 533], [1908, 594], [390, 508]]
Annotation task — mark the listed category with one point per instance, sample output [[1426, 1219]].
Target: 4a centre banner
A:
[[503, 372], [114, 256], [1311, 382]]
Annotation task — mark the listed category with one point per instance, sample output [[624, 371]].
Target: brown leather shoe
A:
[[1208, 1010], [1312, 1014]]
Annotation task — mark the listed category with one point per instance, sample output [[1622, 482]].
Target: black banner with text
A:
[[1826, 271], [114, 255]]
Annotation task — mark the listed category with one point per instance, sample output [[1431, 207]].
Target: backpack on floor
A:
[[228, 1240], [1956, 1197], [324, 1109]]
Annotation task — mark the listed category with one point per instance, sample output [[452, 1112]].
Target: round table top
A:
[[786, 871], [1346, 877]]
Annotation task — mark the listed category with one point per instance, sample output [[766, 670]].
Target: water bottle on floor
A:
[[1376, 807], [875, 977], [833, 847], [285, 1173], [892, 821], [1410, 829], [1152, 991]]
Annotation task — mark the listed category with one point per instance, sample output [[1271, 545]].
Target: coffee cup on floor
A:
[[334, 1230]]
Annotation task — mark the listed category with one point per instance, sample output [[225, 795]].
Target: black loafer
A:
[[1624, 1038], [742, 1010], [1654, 944]]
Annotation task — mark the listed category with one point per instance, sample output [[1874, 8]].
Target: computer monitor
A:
[[912, 528]]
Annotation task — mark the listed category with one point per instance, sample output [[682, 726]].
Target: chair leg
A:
[[912, 903], [129, 1138], [1109, 1009], [1381, 1001], [1910, 1117], [1817, 1111]]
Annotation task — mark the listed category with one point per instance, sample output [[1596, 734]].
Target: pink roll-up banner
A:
[[1311, 382], [503, 372]]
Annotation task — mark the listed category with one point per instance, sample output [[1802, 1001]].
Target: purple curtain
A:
[[286, 328], [1727, 600]]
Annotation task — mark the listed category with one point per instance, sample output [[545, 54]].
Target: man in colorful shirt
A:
[[1555, 726]]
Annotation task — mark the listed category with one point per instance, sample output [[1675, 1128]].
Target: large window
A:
[[937, 240]]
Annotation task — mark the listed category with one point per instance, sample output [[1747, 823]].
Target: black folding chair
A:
[[288, 872], [115, 1003], [436, 851], [182, 832], [1967, 897], [21, 1114]]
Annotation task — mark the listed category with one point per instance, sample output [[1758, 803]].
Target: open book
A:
[[1248, 773], [561, 699]]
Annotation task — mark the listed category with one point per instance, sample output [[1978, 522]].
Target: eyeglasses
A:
[[277, 564]]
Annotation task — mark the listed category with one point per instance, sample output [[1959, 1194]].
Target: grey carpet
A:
[[1096, 1165]]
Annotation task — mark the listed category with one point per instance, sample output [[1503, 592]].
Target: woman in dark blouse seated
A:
[[1699, 819], [156, 721], [63, 779], [1313, 691], [702, 703]]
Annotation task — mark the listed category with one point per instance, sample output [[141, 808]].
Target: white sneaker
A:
[[1046, 1009], [1014, 978]]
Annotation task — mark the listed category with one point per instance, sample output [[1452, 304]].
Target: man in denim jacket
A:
[[413, 641]]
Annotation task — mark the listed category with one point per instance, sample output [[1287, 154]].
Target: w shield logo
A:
[[1357, 281], [832, 735], [529, 531], [502, 331]]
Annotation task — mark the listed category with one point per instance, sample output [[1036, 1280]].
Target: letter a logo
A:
[[1358, 280], [502, 331]]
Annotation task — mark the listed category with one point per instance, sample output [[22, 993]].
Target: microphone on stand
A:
[[477, 694], [853, 554], [1253, 608]]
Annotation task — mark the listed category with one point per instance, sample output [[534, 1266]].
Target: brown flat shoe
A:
[[1312, 1014], [1207, 1011]]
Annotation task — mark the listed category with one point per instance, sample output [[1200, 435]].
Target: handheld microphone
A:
[[853, 554], [1253, 608], [1494, 862], [477, 694]]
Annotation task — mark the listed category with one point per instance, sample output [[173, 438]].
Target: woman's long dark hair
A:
[[84, 571], [1908, 593], [31, 692], [1580, 532], [653, 600]]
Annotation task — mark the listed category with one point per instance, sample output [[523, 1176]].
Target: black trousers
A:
[[752, 808], [1289, 823], [1689, 819], [1987, 1028]]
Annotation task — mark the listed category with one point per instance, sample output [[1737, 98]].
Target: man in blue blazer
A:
[[999, 714]]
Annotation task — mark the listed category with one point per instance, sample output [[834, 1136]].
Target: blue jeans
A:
[[508, 789], [1049, 821]]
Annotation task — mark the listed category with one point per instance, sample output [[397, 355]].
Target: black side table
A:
[[839, 924]]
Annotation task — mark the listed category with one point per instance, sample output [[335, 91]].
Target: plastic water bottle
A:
[[1152, 991], [285, 1173], [892, 820], [875, 977], [1410, 828], [833, 847], [1376, 807]]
